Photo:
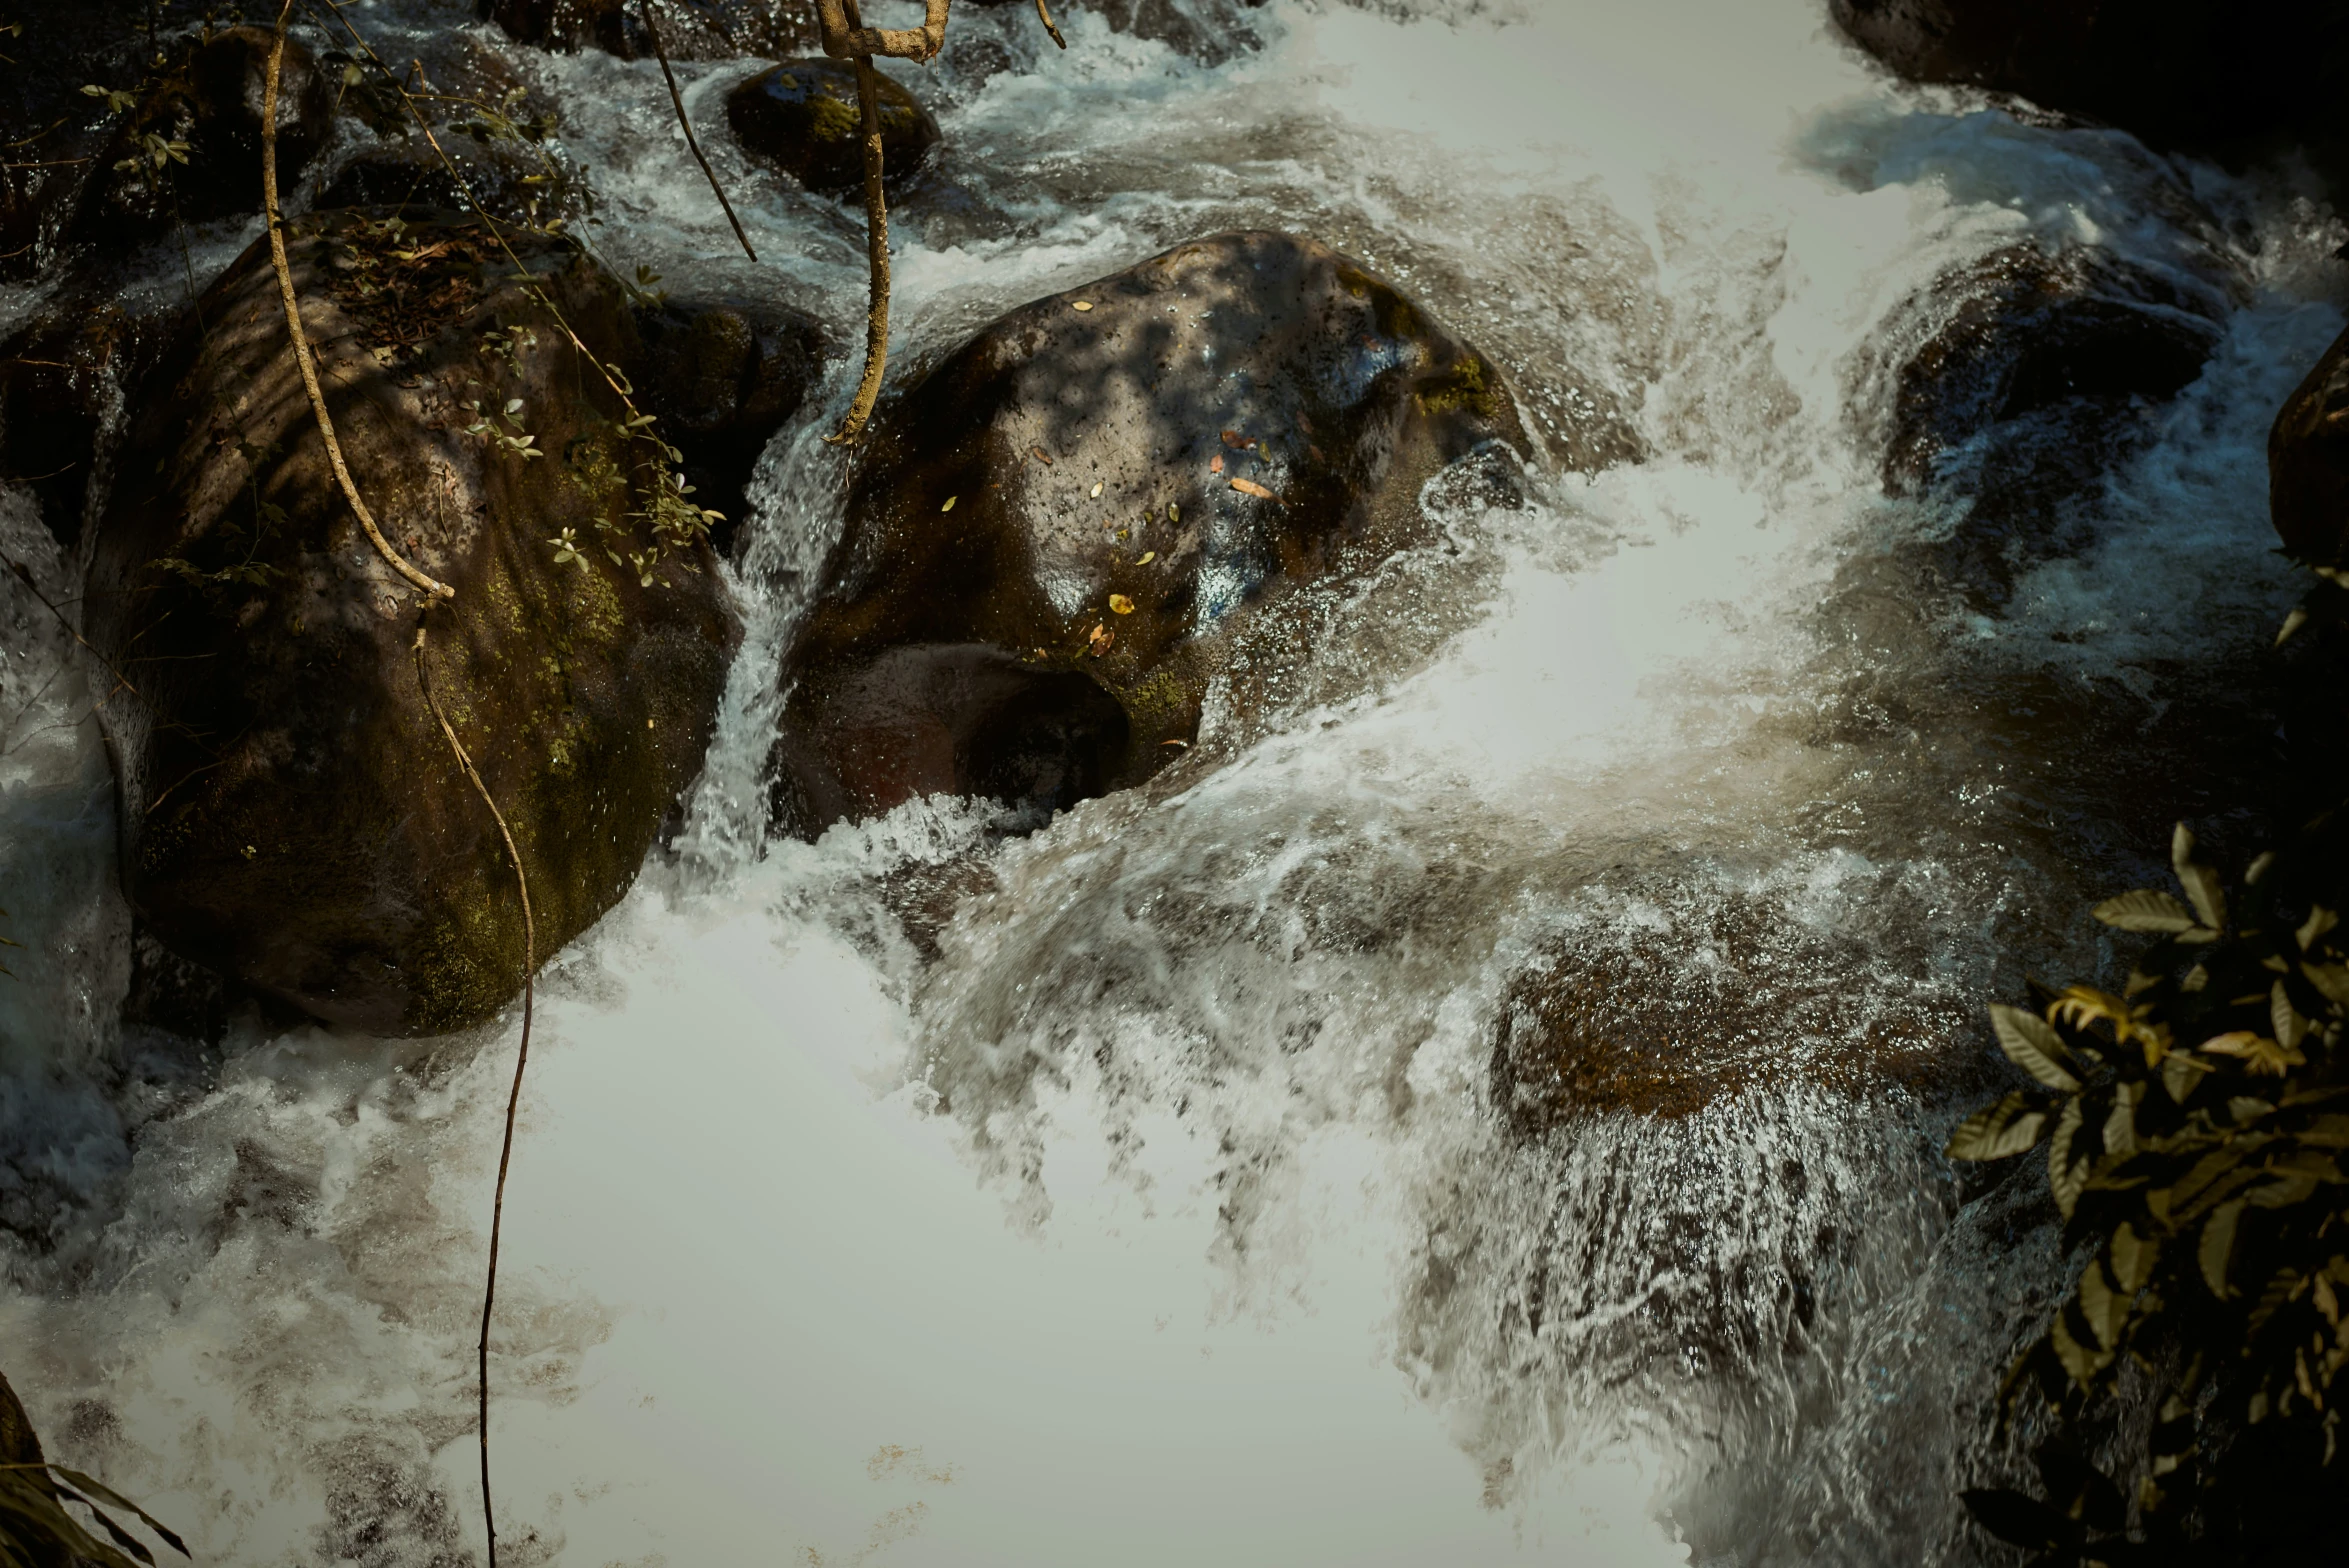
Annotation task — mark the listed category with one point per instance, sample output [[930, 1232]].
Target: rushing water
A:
[[1135, 1191]]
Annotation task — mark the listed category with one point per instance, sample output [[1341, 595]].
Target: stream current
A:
[[1137, 1190]]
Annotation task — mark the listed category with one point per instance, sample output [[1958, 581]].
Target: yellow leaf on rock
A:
[[1121, 604], [1147, 557], [949, 506], [1081, 304], [1251, 487]]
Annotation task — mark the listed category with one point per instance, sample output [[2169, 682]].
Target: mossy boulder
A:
[[291, 814], [1101, 505], [803, 118]]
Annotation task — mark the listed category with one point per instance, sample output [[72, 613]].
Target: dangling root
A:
[[684, 124], [868, 389], [497, 1210]]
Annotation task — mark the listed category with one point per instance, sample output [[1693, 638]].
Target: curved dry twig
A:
[[275, 221], [497, 1211], [846, 36], [868, 387], [1045, 17], [686, 125]]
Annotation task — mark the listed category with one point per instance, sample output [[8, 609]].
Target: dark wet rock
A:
[[55, 131], [2018, 380], [64, 382], [291, 816], [407, 176], [1082, 519], [2215, 75], [205, 109], [689, 29], [1668, 1010], [2308, 463], [802, 118], [724, 375]]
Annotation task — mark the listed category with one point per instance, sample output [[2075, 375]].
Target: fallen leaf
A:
[[1215, 464], [1182, 743], [1121, 604], [1232, 438], [1314, 452], [1040, 455], [1251, 487], [1147, 557], [1097, 489], [949, 506], [1080, 304], [1174, 513], [1098, 643]]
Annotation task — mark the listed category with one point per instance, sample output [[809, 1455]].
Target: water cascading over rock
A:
[[291, 814], [1099, 509]]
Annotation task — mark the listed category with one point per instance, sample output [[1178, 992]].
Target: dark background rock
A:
[[209, 97], [802, 117], [724, 375], [2237, 77], [2308, 463], [955, 651], [64, 380], [690, 29], [291, 816]]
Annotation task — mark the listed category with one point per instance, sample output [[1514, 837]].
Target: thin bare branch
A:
[[1045, 17], [431, 586], [868, 388], [686, 125], [497, 1211]]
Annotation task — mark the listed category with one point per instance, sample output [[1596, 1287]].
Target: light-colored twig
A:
[[868, 387], [686, 125], [846, 36], [275, 221], [1045, 17], [497, 1210]]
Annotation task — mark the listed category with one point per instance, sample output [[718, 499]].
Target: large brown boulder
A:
[[291, 814], [2215, 75], [803, 117], [2308, 463], [689, 29], [1091, 511]]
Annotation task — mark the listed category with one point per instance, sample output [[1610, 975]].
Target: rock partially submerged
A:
[[689, 29], [2308, 463], [803, 118], [1095, 510], [291, 814]]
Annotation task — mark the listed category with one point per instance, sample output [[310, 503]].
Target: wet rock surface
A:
[[65, 381], [2308, 463], [2184, 73], [803, 119], [2017, 381], [724, 374], [291, 816], [689, 29], [1102, 506], [1669, 1010]]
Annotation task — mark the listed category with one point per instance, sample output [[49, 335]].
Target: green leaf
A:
[[2218, 1246], [2289, 1026], [107, 1494], [2065, 1176], [2031, 1043], [2145, 910], [2132, 1260], [2331, 979], [1993, 1133], [2180, 1073], [2319, 921], [2078, 1360], [2103, 1307], [2201, 883]]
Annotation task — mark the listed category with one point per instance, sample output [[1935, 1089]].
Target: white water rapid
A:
[[1154, 1208]]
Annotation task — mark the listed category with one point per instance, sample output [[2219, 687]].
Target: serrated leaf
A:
[[2202, 886], [2331, 979], [2319, 921], [2066, 1176], [2132, 1260], [1996, 1131], [2289, 1026], [2101, 1305], [2145, 910], [2218, 1246], [2078, 1360], [2120, 1124], [2031, 1043]]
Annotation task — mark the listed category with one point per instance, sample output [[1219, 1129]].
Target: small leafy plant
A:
[[2194, 1126]]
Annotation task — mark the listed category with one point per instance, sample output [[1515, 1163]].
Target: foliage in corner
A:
[[36, 1531], [2194, 1128]]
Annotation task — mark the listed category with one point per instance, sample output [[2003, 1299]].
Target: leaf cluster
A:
[[35, 1528], [2194, 1128]]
